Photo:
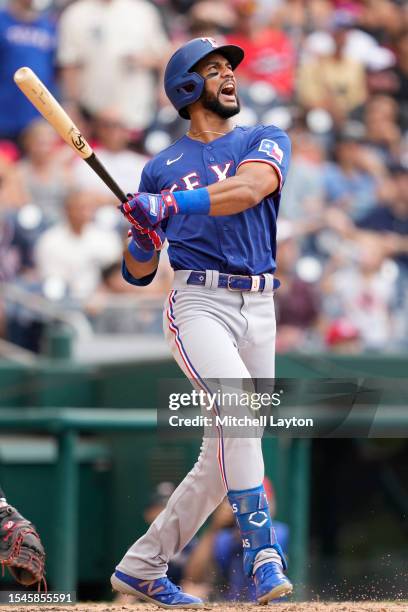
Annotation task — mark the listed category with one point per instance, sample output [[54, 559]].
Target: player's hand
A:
[[148, 240], [147, 210]]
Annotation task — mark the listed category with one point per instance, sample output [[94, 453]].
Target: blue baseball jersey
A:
[[244, 243], [30, 43]]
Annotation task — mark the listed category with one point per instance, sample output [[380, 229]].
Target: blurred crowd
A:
[[333, 73]]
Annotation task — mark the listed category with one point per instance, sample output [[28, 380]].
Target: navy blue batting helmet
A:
[[182, 85]]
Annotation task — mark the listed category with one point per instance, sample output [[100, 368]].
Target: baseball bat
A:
[[52, 111]]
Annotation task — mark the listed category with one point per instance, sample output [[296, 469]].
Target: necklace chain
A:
[[206, 132]]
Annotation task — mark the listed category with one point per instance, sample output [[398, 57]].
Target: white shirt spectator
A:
[[77, 259], [367, 303], [125, 167], [106, 39]]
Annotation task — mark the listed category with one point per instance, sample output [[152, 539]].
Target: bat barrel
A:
[[52, 111], [23, 74]]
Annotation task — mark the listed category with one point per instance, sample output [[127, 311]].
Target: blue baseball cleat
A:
[[161, 591], [271, 583]]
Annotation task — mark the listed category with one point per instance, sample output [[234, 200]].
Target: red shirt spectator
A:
[[270, 57]]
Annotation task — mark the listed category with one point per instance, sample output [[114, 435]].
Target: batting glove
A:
[[148, 240], [147, 210]]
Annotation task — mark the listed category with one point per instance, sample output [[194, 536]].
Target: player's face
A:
[[220, 90]]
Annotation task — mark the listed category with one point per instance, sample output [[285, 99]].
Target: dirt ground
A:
[[283, 607]]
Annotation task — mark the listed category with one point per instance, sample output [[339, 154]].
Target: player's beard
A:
[[212, 103]]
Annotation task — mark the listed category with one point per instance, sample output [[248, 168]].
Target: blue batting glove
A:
[[147, 210]]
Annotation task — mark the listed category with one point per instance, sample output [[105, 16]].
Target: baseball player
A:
[[214, 194], [20, 545]]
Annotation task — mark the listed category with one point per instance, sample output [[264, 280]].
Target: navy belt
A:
[[233, 282]]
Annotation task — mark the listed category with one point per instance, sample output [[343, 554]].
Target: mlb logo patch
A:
[[272, 149]]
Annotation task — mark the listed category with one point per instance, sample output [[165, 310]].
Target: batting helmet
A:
[[183, 87]]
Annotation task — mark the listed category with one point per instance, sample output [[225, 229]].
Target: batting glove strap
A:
[[170, 203]]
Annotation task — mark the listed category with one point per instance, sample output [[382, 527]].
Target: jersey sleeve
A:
[[147, 183], [270, 145]]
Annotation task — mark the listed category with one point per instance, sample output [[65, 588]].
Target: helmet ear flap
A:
[[184, 90]]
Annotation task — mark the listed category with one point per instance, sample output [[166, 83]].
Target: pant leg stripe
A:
[[194, 374]]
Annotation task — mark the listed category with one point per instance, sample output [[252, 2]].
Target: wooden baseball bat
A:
[[52, 111]]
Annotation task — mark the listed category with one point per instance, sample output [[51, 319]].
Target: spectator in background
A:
[[364, 293], [343, 338], [109, 52], [269, 52], [303, 196], [351, 180], [43, 171], [14, 250], [390, 220], [401, 72], [10, 259], [352, 57], [210, 18], [12, 196], [298, 17], [297, 301], [382, 131], [115, 307], [381, 18], [75, 251], [112, 138], [27, 38], [331, 80]]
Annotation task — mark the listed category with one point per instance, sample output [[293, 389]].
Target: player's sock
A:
[[251, 511]]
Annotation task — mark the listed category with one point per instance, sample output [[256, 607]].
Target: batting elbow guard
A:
[[251, 511]]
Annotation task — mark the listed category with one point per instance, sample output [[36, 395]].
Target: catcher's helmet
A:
[[183, 87]]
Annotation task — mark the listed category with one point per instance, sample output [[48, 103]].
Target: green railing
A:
[[65, 425]]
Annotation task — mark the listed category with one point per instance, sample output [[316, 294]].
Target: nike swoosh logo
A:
[[171, 161]]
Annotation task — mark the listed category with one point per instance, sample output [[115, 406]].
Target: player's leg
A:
[[205, 348], [203, 331], [250, 320], [258, 354], [200, 343]]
